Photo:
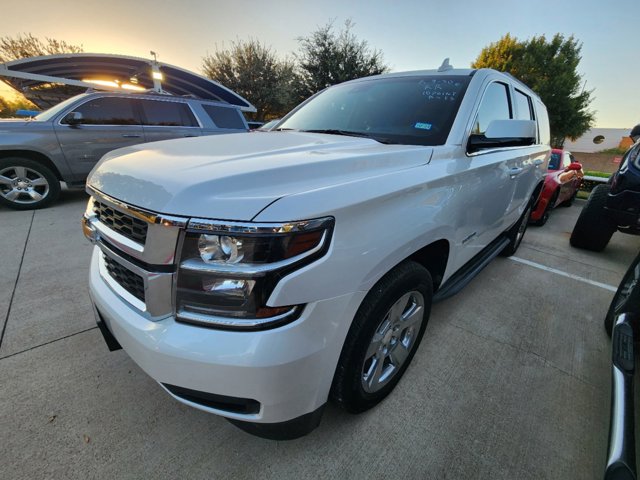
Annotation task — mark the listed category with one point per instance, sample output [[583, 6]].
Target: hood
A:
[[235, 176]]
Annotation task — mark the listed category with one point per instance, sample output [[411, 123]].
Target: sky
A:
[[412, 35]]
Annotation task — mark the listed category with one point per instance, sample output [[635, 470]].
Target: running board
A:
[[473, 267]]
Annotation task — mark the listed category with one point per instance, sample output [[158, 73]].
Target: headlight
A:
[[220, 249], [228, 271]]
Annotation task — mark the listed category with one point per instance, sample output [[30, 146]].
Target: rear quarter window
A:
[[225, 117], [167, 114], [543, 123]]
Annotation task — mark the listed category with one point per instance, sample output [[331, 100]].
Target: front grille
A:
[[131, 227], [131, 282]]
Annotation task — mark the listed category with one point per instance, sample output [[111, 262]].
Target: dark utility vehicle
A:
[[66, 141], [612, 206], [623, 320]]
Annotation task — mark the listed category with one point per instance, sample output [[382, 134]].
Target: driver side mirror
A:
[[635, 133], [73, 119], [504, 133]]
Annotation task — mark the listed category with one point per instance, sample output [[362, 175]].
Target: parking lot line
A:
[[611, 288]]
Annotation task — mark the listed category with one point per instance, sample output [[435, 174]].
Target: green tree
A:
[[8, 108], [255, 72], [5, 109], [326, 57], [549, 67], [23, 46]]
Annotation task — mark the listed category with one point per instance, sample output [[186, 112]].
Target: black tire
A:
[[627, 297], [593, 229], [516, 233], [547, 210], [349, 389], [27, 184]]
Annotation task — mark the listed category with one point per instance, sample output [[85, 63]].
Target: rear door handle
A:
[[131, 135], [515, 171]]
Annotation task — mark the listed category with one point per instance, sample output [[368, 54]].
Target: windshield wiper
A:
[[348, 133]]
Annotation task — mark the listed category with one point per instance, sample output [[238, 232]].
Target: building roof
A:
[[120, 70]]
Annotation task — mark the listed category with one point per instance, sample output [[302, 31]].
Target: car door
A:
[[525, 163], [491, 190], [165, 119], [107, 123]]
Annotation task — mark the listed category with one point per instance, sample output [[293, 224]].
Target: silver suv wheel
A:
[[23, 185], [27, 184], [392, 341]]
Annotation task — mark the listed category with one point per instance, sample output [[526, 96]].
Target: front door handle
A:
[[515, 171], [190, 136], [537, 162], [131, 135]]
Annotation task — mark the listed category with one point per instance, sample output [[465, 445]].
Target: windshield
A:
[[56, 109], [407, 110], [554, 161]]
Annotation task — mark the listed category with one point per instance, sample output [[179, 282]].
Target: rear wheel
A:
[[516, 233], [26, 184], [593, 229], [383, 338], [627, 297]]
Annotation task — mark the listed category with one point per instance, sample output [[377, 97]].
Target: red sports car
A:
[[561, 185]]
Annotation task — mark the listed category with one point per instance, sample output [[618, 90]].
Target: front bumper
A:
[[288, 370]]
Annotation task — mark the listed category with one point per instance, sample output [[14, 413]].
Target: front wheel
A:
[[627, 297], [383, 338], [26, 184]]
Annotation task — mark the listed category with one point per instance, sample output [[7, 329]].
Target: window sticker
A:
[[422, 126]]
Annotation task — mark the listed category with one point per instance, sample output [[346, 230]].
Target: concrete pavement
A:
[[511, 381]]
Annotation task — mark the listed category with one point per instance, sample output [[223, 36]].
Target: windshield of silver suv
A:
[[56, 109], [416, 110]]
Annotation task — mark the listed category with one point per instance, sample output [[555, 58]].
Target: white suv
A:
[[255, 276]]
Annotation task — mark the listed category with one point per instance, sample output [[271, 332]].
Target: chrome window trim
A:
[[203, 225], [247, 269], [64, 114], [502, 149]]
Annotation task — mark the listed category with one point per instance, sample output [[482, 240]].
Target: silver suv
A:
[[66, 141]]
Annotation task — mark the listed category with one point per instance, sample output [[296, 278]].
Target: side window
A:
[[225, 117], [495, 106], [543, 123], [523, 106], [108, 111], [566, 160], [167, 114]]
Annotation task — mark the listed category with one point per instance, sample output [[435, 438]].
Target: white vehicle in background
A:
[[257, 276]]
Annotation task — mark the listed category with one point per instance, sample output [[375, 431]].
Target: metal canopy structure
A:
[[39, 76]]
